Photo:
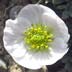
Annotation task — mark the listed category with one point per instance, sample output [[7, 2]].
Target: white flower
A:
[[15, 40]]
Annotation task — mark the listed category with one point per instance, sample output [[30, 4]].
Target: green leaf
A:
[[69, 8], [37, 1], [34, 1], [65, 14], [61, 7], [68, 66], [57, 1], [65, 59], [70, 11]]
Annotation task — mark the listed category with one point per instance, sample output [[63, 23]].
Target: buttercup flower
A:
[[37, 37]]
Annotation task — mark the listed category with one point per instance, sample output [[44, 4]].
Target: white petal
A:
[[10, 23], [59, 27], [56, 56], [58, 50], [9, 37], [22, 24], [48, 10], [31, 12], [64, 29], [19, 50], [28, 61], [42, 58], [14, 30], [14, 48], [11, 27], [18, 25], [59, 46], [49, 59]]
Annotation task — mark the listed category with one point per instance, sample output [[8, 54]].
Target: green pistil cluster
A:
[[38, 37]]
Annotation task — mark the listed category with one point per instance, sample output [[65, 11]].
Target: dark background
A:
[[10, 8]]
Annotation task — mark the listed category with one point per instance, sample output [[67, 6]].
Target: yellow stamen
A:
[[38, 37]]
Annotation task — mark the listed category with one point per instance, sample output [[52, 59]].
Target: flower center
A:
[[38, 37]]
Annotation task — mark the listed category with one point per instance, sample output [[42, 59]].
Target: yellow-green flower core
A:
[[38, 37]]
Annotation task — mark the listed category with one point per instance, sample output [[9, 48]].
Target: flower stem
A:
[[45, 68]]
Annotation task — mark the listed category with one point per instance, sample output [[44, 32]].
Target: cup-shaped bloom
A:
[[36, 37]]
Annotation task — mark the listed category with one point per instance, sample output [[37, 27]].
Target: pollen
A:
[[33, 46], [35, 29], [50, 40], [46, 46], [32, 28], [42, 45], [37, 47], [45, 32], [38, 37]]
